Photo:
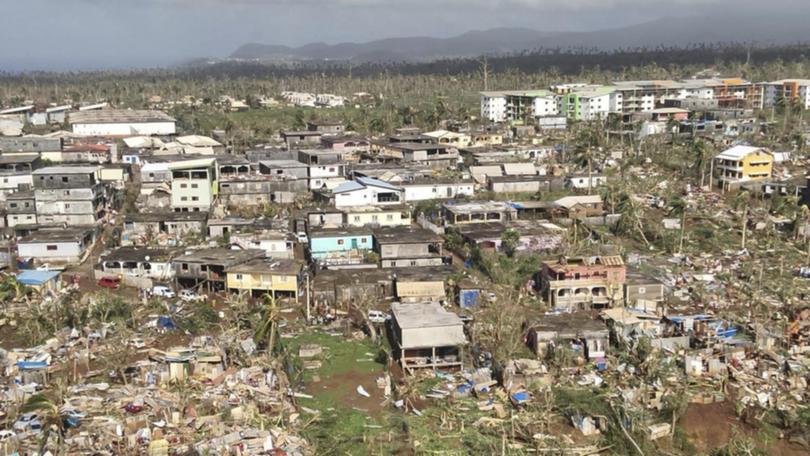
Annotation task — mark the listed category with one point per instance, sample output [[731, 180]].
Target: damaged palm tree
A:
[[267, 330]]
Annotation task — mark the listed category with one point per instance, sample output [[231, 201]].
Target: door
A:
[[354, 243]]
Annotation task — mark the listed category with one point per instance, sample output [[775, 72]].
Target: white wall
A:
[[493, 108], [364, 197], [545, 106], [9, 182], [124, 129], [40, 251], [184, 197], [437, 191]]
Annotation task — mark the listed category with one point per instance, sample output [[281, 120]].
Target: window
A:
[[12, 204], [374, 218], [413, 263], [51, 247], [67, 205], [356, 218], [389, 217], [183, 185], [64, 179], [238, 276], [29, 217], [194, 185], [183, 198], [195, 198], [203, 268], [363, 240], [340, 241], [5, 180], [184, 266]]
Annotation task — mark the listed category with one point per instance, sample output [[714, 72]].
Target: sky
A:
[[92, 34]]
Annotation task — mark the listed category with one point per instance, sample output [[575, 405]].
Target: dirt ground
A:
[[710, 426]]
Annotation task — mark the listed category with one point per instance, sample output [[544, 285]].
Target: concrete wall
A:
[[10, 182], [403, 250], [192, 193], [65, 181], [411, 262]]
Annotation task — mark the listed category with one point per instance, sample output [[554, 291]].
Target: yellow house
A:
[[743, 163], [377, 216], [266, 275]]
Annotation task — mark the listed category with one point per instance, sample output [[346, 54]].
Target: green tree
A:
[[510, 239]]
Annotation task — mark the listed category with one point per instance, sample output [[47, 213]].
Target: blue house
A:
[[339, 246]]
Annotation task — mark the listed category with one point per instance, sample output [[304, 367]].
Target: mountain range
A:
[[674, 32]]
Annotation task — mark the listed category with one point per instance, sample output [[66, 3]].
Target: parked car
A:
[[28, 422], [190, 296], [302, 238], [163, 292], [377, 316], [109, 282], [6, 435]]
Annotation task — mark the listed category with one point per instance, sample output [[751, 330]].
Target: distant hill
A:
[[762, 30]]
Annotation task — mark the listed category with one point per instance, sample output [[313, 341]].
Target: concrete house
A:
[[16, 171], [366, 192], [461, 212], [358, 216], [339, 246], [741, 164], [272, 276], [519, 184], [583, 282], [207, 267], [57, 245], [449, 138], [194, 184], [436, 156], [408, 247], [167, 228], [73, 195], [153, 264], [326, 127], [293, 138], [284, 168], [580, 181], [534, 236], [427, 337], [588, 338], [21, 209]]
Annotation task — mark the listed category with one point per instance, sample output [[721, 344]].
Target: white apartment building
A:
[[493, 106]]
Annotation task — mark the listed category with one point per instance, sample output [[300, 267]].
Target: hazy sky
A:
[[69, 34]]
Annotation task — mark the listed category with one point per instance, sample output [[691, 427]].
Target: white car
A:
[[28, 422], [163, 292], [377, 316], [302, 238], [190, 296], [6, 435]]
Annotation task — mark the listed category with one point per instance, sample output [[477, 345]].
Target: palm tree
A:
[[268, 326], [49, 416], [742, 200], [679, 208]]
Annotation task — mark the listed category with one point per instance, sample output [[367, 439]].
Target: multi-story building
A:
[[73, 195], [786, 91], [583, 282], [741, 164], [194, 184]]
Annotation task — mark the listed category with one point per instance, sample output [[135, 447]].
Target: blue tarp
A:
[[469, 298], [32, 364], [166, 323], [35, 277], [521, 396]]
